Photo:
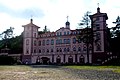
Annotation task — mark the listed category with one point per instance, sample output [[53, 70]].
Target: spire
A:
[[31, 20], [67, 23], [98, 9]]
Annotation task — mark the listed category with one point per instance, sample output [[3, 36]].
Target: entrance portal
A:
[[45, 60]]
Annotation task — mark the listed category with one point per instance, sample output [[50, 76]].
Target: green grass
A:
[[113, 68]]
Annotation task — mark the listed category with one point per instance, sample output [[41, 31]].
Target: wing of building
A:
[[66, 46]]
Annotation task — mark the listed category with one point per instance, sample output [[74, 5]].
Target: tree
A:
[[86, 33], [8, 33]]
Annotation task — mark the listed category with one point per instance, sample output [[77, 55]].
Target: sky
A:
[[52, 13]]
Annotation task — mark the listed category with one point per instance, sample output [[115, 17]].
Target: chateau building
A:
[[63, 46]]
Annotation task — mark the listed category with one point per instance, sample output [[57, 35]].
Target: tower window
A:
[[27, 42], [35, 43], [35, 35]]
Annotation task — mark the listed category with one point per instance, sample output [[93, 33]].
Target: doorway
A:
[[45, 60]]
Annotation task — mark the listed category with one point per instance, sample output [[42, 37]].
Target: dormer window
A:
[[60, 33], [64, 33], [68, 33]]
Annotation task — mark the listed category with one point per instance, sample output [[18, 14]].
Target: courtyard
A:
[[50, 72]]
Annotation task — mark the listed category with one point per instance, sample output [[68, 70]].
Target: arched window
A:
[[82, 59], [58, 60], [51, 50], [64, 49], [68, 49], [60, 50], [39, 43], [79, 49], [27, 42], [34, 50], [74, 49], [39, 50], [70, 59], [48, 50], [57, 50], [98, 47]]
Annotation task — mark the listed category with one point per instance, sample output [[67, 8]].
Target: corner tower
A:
[[100, 42], [30, 35]]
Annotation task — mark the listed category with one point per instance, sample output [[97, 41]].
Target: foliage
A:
[[8, 33], [85, 20]]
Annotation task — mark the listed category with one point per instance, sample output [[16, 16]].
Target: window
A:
[[97, 18], [57, 50], [79, 49], [39, 43], [68, 41], [57, 33], [47, 42], [60, 41], [43, 43], [84, 49], [39, 50], [34, 42], [74, 49], [27, 52], [64, 49], [60, 50], [52, 42], [68, 49], [98, 47], [60, 33], [64, 33], [51, 50], [97, 26], [65, 41], [57, 41], [98, 36], [48, 50], [74, 40], [67, 32], [35, 35], [27, 42], [34, 50]]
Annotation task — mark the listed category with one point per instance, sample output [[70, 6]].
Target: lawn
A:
[[113, 68]]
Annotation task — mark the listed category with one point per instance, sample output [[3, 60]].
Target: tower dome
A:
[[67, 24]]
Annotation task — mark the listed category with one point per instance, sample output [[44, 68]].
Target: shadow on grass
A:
[[44, 66]]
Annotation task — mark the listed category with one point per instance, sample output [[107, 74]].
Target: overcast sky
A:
[[52, 13]]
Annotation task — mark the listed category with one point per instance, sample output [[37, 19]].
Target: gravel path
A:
[[57, 73]]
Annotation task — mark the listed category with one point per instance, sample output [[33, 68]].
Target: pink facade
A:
[[62, 46]]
